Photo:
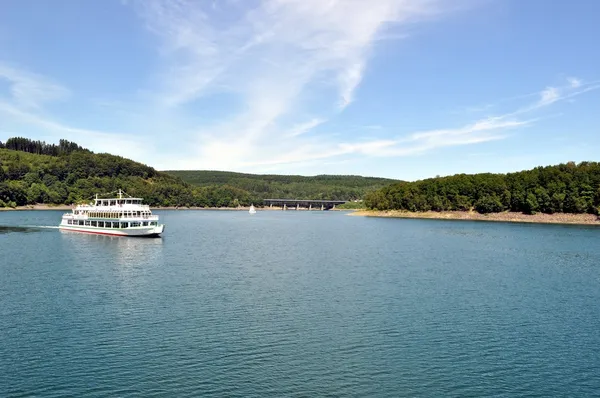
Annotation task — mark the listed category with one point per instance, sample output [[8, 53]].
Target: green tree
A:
[[489, 204], [531, 204]]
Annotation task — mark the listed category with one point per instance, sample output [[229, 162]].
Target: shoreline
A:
[[539, 218], [242, 208]]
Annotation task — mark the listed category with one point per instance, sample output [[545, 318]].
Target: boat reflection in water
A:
[[113, 252]]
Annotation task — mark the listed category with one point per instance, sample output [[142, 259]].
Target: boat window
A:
[[94, 224], [145, 224], [115, 224], [80, 222], [124, 225], [87, 223]]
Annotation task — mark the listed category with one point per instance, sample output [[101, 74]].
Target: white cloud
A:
[[292, 42], [548, 96], [273, 59], [303, 128], [484, 130], [30, 90], [286, 66], [349, 80], [574, 82], [99, 141], [295, 148], [26, 100]]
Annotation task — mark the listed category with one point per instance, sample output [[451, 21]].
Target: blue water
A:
[[299, 304]]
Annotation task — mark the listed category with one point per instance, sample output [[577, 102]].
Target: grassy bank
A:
[[557, 218]]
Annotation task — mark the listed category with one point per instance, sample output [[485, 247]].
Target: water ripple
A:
[[300, 305]]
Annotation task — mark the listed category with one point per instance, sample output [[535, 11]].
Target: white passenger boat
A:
[[252, 210], [116, 216]]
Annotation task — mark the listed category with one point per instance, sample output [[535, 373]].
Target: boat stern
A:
[[159, 229]]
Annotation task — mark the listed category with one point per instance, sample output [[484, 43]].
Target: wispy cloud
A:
[[30, 90], [100, 141], [284, 73], [287, 42], [549, 96], [302, 128], [274, 57], [574, 82], [489, 129], [552, 94], [26, 99]]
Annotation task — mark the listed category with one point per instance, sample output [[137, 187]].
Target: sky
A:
[[404, 89]]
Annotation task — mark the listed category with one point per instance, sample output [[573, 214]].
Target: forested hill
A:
[[36, 172], [568, 188], [264, 186]]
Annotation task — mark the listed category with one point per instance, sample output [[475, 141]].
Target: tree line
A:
[[36, 172], [564, 188], [273, 186], [64, 147]]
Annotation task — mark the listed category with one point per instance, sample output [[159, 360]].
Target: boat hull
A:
[[147, 232]]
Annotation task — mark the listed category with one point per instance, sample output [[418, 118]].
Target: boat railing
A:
[[152, 217]]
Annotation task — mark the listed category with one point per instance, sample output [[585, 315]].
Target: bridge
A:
[[298, 204]]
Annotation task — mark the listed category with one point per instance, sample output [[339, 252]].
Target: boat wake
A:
[[6, 229]]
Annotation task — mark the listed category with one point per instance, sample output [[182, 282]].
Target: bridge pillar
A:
[[310, 207], [333, 207], [297, 206], [284, 206], [321, 206], [271, 205]]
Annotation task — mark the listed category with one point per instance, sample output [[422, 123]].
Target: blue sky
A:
[[405, 89]]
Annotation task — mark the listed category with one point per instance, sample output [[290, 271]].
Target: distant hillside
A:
[[35, 172], [264, 186]]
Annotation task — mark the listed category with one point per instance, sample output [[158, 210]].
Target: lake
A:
[[299, 304]]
